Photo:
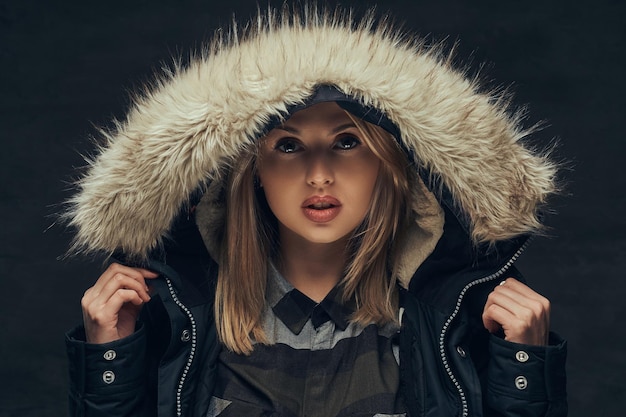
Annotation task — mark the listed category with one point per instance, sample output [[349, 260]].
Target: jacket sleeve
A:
[[527, 381], [107, 379]]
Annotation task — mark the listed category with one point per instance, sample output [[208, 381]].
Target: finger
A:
[[146, 273], [105, 313], [136, 273], [523, 289], [149, 275], [122, 281], [520, 324], [500, 308], [112, 320], [96, 297], [493, 317], [510, 297], [115, 270], [515, 329], [527, 311]]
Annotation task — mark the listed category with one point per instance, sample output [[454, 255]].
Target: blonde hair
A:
[[251, 239]]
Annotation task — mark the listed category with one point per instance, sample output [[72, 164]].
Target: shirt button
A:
[[521, 356], [185, 336], [461, 351], [521, 382], [108, 377], [109, 355]]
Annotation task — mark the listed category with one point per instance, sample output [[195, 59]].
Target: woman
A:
[[350, 250]]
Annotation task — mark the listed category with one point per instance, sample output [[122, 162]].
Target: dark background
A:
[[67, 66]]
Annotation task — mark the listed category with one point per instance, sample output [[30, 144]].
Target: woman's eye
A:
[[347, 142], [287, 146]]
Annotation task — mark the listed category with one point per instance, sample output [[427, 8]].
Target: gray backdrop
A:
[[66, 66]]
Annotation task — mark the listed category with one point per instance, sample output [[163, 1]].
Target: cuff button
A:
[[109, 355], [108, 377]]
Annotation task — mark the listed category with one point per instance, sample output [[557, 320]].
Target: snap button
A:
[[109, 355], [461, 351], [522, 356], [521, 382], [185, 336], [108, 377]]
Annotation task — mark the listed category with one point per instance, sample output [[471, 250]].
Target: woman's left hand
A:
[[520, 312]]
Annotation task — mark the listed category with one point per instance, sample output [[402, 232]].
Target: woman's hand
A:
[[520, 312], [111, 306]]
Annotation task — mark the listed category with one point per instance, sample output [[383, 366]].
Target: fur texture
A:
[[196, 118]]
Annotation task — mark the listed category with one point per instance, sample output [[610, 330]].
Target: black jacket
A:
[[450, 365], [464, 143]]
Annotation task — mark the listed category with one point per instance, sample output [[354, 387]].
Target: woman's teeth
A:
[[320, 206]]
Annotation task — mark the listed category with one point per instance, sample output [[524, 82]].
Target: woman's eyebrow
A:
[[343, 127], [288, 129]]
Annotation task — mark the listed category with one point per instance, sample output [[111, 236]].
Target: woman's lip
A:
[[321, 215], [321, 208], [321, 199]]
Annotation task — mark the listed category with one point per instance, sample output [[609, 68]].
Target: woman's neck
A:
[[314, 269]]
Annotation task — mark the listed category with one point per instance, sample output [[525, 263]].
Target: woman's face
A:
[[318, 174]]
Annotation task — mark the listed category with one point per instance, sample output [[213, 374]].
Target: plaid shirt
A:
[[317, 362]]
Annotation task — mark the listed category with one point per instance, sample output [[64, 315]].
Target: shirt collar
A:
[[294, 308]]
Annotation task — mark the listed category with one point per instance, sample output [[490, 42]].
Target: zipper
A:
[[446, 326], [192, 353]]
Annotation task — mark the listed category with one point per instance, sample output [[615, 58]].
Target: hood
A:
[[465, 142]]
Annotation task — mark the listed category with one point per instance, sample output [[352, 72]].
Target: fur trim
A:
[[197, 118]]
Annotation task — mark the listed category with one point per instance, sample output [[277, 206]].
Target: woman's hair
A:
[[371, 265]]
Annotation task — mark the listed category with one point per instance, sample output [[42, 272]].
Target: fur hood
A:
[[198, 117]]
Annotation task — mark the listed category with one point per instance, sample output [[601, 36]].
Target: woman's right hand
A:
[[111, 306]]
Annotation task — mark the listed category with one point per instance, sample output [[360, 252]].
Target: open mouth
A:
[[320, 206], [321, 209], [321, 202]]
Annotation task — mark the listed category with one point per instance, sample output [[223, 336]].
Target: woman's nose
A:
[[319, 172]]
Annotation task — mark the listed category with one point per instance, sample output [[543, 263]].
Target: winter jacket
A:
[[152, 197]]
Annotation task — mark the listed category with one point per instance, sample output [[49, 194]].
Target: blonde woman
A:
[[316, 219]]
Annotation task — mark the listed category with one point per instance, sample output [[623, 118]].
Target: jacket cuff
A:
[[528, 373], [105, 368]]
